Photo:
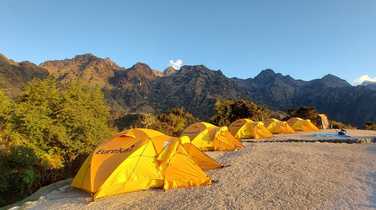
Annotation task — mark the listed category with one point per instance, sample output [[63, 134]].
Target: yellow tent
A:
[[247, 129], [207, 136], [134, 161], [276, 126], [203, 160], [299, 124]]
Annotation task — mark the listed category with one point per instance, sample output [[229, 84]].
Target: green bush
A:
[[174, 121], [139, 120], [227, 111], [6, 105], [61, 122], [45, 130], [339, 125], [305, 113], [171, 122], [370, 125], [18, 166]]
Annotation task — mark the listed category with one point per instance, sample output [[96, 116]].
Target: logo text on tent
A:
[[114, 151]]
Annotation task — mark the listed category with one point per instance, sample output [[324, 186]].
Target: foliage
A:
[[305, 113], [18, 173], [174, 121], [6, 108], [139, 120], [56, 124], [312, 114], [339, 125], [171, 122], [61, 122], [6, 105], [227, 111], [370, 126]]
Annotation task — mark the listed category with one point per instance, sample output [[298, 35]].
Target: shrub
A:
[[45, 131], [171, 122], [227, 111], [370, 125], [306, 113], [174, 121], [6, 105], [139, 120], [339, 125], [61, 123], [18, 174]]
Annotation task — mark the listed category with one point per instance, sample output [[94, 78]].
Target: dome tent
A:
[[248, 129], [203, 160], [207, 136], [138, 159], [299, 124], [278, 127]]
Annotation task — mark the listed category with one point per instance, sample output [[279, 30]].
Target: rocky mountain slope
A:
[[86, 67], [330, 94], [13, 75], [369, 84], [143, 89], [195, 88]]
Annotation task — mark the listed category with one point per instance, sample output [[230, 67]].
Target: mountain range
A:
[[369, 84], [196, 87]]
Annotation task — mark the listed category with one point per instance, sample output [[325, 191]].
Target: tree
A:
[[227, 111], [61, 121], [306, 112], [18, 173], [53, 126], [6, 105], [370, 125], [6, 112], [175, 121], [172, 122]]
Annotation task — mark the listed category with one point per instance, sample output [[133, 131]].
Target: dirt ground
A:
[[261, 176]]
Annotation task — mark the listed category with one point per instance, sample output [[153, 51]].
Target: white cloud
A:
[[176, 64], [364, 78]]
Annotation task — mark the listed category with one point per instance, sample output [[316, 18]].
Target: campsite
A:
[[246, 159], [272, 175], [144, 164], [176, 104]]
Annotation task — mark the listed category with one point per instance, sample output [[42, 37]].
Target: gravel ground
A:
[[261, 176]]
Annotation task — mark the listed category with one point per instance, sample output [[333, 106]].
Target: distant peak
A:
[[83, 59], [334, 78], [266, 74], [3, 58], [365, 83], [330, 76], [169, 70], [194, 67], [86, 56], [331, 80], [139, 65], [141, 68], [267, 71]]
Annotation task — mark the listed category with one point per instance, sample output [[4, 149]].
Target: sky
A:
[[302, 38]]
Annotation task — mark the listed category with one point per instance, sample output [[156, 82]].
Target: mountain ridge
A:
[[13, 75], [140, 88], [369, 84]]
